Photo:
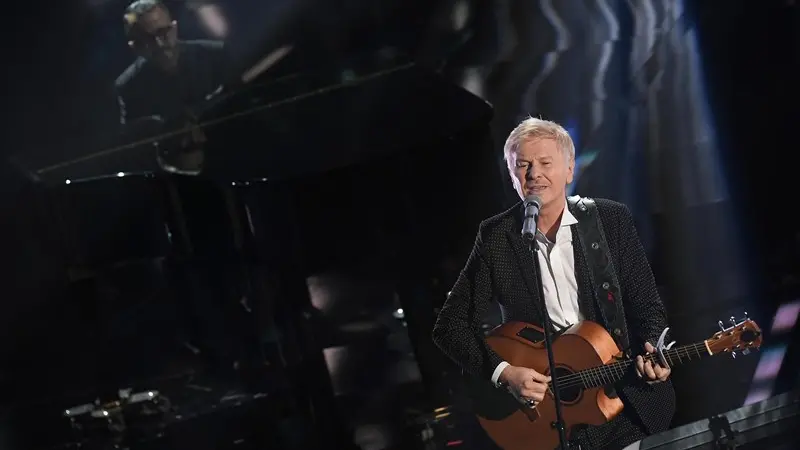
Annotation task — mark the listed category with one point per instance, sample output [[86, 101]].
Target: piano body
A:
[[302, 174]]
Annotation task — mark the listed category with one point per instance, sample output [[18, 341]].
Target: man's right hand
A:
[[526, 384]]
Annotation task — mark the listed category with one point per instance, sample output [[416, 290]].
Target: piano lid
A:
[[308, 122]]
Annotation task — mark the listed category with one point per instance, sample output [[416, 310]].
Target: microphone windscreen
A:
[[533, 200]]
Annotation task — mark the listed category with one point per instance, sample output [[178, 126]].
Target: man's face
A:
[[155, 37], [539, 168]]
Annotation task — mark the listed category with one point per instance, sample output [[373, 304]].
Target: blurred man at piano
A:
[[168, 81]]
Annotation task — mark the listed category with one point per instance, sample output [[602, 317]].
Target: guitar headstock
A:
[[743, 336]]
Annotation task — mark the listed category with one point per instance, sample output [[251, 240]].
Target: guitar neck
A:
[[611, 373]]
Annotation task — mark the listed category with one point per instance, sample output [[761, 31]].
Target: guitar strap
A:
[[603, 276]]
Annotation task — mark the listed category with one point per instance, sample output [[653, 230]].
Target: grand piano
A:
[[143, 278]]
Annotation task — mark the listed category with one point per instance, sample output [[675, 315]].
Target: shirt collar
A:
[[567, 218], [562, 235]]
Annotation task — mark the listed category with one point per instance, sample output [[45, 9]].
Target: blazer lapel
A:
[[586, 297], [583, 277], [526, 267]]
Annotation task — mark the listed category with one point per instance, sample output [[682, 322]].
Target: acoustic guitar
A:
[[588, 363]]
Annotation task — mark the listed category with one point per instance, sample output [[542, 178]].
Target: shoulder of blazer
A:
[[500, 223], [610, 207], [616, 217], [610, 211]]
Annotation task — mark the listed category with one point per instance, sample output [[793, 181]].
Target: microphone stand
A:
[[548, 340]]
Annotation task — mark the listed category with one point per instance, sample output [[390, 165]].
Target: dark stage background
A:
[[369, 156]]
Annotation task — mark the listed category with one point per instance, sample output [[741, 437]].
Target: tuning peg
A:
[[746, 351], [733, 355], [733, 321], [721, 326]]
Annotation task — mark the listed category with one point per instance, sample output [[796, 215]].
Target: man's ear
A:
[[571, 170]]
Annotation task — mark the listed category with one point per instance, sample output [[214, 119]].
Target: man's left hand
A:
[[651, 371]]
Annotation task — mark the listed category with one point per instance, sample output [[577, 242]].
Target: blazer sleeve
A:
[[128, 106], [644, 310], [457, 331], [646, 318]]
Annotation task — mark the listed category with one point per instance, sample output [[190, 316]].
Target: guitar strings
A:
[[597, 376], [600, 375]]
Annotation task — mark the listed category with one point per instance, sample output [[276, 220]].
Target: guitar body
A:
[[514, 427]]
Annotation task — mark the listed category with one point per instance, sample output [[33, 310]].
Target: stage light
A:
[[786, 318], [772, 358], [213, 20], [460, 15]]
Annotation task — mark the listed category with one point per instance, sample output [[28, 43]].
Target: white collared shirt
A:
[[557, 264]]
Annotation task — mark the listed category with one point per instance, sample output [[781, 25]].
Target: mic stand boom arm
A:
[[548, 343]]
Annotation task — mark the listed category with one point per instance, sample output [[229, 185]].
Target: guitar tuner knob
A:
[[721, 326], [733, 321], [733, 355], [746, 351]]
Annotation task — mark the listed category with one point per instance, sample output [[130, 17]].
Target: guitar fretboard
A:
[[613, 372]]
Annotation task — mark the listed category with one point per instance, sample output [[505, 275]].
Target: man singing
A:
[[169, 77], [541, 158]]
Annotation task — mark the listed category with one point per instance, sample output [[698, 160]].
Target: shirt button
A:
[[606, 285], [595, 245], [617, 331]]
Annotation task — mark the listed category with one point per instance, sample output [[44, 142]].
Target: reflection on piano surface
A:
[[203, 278]]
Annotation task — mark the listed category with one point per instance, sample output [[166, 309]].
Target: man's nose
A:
[[531, 173]]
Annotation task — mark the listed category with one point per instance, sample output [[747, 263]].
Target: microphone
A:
[[532, 205]]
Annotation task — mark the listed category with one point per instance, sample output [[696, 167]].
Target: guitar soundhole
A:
[[569, 386]]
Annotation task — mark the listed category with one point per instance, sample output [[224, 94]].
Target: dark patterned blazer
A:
[[497, 270]]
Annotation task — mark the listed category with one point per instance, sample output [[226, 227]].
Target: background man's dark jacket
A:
[[143, 90]]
